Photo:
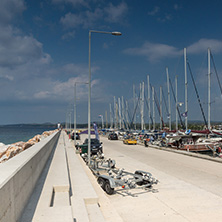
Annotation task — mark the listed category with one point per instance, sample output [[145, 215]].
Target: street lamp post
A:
[[70, 120], [75, 114], [101, 116], [89, 96], [75, 109]]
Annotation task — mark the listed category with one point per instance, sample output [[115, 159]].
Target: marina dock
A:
[[62, 188]]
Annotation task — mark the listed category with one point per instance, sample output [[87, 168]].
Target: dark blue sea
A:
[[14, 133]]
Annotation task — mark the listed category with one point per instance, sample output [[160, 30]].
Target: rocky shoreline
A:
[[11, 150]]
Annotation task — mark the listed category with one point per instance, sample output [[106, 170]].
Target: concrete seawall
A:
[[18, 177], [63, 192]]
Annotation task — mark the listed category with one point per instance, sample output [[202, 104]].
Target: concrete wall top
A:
[[9, 168]]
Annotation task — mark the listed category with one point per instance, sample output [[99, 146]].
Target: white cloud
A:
[[42, 95], [164, 18], [177, 7], [203, 44], [17, 48], [157, 51], [71, 20], [155, 10], [93, 17], [72, 2], [7, 77], [68, 35], [153, 51], [33, 83], [10, 9], [64, 90], [116, 13], [161, 17], [87, 19]]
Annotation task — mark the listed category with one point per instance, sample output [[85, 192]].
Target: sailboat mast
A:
[[127, 116], [161, 116], [111, 119], [176, 103], [168, 88], [209, 79], [120, 117], [114, 109], [154, 124], [142, 106], [134, 103], [106, 119], [186, 98], [123, 113], [117, 119], [148, 87]]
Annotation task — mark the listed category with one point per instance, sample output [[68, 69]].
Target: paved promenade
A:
[[189, 188], [64, 192]]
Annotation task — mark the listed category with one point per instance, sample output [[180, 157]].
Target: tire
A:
[[109, 190], [101, 182], [141, 182], [144, 182]]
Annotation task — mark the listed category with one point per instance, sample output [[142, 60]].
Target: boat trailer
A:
[[109, 177], [216, 150]]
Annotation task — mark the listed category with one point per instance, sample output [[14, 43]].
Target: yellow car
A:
[[130, 141]]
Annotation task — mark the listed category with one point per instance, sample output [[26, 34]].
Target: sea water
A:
[[14, 133]]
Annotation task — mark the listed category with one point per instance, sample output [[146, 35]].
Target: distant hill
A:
[[50, 125]]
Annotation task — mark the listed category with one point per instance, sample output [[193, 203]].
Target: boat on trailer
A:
[[195, 142]]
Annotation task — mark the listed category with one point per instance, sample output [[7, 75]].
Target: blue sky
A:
[[44, 51]]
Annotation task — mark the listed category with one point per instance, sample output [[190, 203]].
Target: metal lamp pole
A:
[[75, 114], [102, 121], [89, 96], [75, 109]]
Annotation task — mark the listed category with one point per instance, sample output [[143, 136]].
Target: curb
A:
[[197, 155]]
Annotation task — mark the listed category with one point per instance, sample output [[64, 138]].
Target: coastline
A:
[[22, 132], [10, 150]]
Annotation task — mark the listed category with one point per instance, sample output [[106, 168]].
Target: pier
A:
[[51, 182], [47, 183]]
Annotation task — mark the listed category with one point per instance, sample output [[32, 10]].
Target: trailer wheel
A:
[[143, 182], [109, 190], [140, 183], [101, 182]]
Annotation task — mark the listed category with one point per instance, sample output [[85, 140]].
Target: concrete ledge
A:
[[84, 200], [54, 201], [55, 214], [19, 175]]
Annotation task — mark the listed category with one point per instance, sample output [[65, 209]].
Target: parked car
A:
[[77, 136], [96, 146], [130, 141], [112, 136]]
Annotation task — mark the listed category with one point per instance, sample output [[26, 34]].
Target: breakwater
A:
[[9, 151], [18, 177]]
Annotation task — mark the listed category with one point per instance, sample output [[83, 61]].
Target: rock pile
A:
[[8, 151]]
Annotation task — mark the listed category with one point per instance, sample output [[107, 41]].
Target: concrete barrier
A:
[[84, 200], [19, 175], [54, 201]]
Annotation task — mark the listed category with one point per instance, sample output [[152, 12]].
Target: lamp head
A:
[[116, 33]]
